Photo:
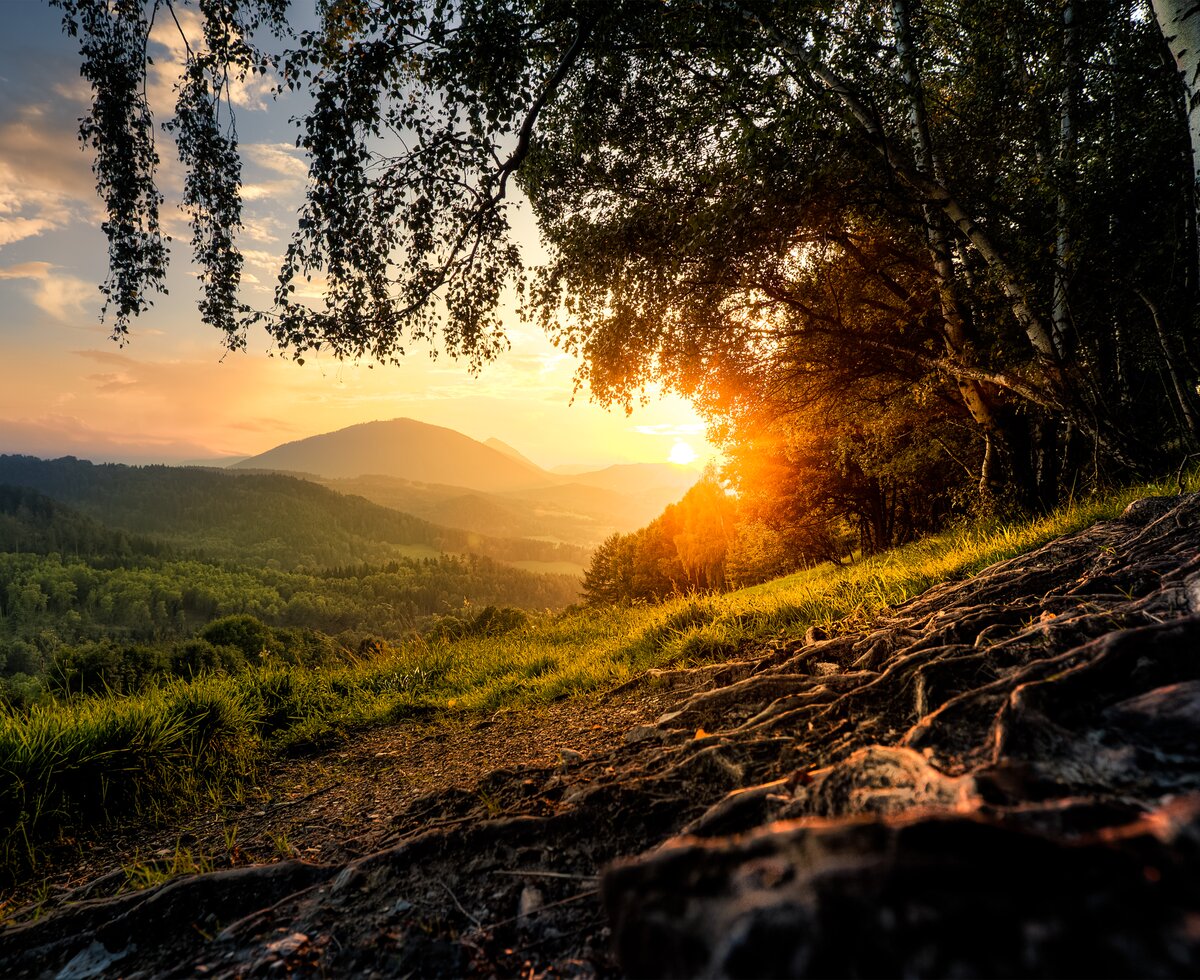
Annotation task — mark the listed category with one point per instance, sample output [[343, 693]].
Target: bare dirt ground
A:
[[1000, 778], [341, 804]]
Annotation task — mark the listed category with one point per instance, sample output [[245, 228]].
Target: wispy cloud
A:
[[45, 182], [281, 158], [670, 430], [63, 296], [106, 357]]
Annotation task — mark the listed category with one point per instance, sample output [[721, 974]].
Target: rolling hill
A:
[[489, 487], [404, 449], [227, 515]]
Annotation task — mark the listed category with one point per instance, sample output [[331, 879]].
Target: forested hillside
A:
[[265, 518], [84, 605]]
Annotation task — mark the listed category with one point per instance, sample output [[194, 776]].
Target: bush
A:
[[21, 658], [489, 621], [307, 647], [193, 657], [20, 692], [105, 666], [244, 632]]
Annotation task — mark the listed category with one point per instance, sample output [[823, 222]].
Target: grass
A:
[[81, 763]]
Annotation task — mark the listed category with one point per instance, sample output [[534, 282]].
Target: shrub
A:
[[192, 657], [244, 632]]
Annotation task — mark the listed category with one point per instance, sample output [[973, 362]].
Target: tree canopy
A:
[[956, 239]]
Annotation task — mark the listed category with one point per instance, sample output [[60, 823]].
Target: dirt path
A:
[[337, 805]]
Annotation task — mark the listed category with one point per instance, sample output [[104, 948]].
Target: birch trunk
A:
[[975, 397], [1180, 24], [934, 191], [1060, 319]]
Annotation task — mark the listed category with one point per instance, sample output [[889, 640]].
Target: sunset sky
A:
[[172, 394]]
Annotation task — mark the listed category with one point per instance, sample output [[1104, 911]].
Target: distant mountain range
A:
[[489, 487], [225, 515]]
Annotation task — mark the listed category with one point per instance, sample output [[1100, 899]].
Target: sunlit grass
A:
[[87, 761]]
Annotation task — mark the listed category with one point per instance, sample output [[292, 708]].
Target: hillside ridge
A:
[[999, 777]]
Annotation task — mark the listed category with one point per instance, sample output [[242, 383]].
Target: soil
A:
[[1001, 777]]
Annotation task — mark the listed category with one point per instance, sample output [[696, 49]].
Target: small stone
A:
[[531, 900], [643, 733], [288, 944]]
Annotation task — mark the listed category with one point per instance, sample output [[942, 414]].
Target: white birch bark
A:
[[1180, 24], [1061, 316]]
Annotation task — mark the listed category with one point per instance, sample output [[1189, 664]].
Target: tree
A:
[[1180, 24], [747, 199]]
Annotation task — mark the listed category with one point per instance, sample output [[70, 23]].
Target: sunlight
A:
[[681, 454]]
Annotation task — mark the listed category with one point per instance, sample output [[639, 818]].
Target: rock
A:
[[1146, 510], [642, 733], [96, 960], [569, 758], [530, 901]]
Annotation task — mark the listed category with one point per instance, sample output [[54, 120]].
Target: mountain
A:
[[408, 450], [226, 515], [641, 478], [572, 513], [449, 479], [503, 447]]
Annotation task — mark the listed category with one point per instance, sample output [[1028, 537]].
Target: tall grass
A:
[[84, 762]]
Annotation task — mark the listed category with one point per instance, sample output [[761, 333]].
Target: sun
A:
[[681, 454]]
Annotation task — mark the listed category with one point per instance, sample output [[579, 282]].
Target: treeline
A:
[[707, 542], [85, 607], [152, 599], [263, 518]]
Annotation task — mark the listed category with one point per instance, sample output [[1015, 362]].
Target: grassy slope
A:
[[75, 763]]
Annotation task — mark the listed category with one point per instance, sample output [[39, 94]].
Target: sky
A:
[[172, 393]]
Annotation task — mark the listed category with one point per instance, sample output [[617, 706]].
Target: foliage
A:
[[75, 763], [682, 550], [263, 518], [783, 209]]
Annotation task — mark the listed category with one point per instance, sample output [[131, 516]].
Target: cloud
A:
[[106, 357], [281, 158], [255, 92], [269, 190], [112, 383], [18, 229], [670, 430], [45, 181], [26, 270], [65, 435], [59, 294], [264, 228]]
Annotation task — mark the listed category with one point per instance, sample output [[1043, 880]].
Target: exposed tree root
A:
[[1001, 778]]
